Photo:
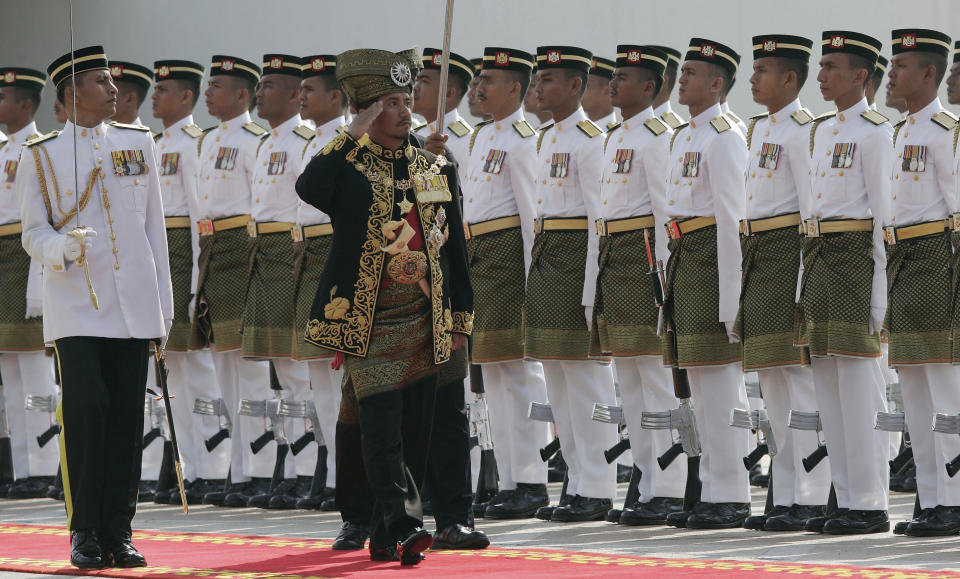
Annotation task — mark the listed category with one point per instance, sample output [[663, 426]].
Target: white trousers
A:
[[153, 453], [572, 388], [849, 397], [192, 376], [928, 390], [294, 379], [645, 385], [326, 385], [29, 374], [239, 378], [785, 389], [888, 376], [717, 390], [510, 388]]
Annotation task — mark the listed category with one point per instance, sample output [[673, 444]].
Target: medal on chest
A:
[[277, 163], [226, 158], [842, 155], [559, 163], [914, 158], [169, 164], [10, 170], [623, 160], [128, 163], [769, 156], [494, 161], [691, 164]]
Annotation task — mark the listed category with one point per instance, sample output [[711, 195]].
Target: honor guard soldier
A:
[[596, 99], [842, 296], [395, 297], [191, 374], [924, 203], [953, 81], [324, 103], [704, 204], [625, 320], [777, 176], [530, 105], [104, 302], [498, 214], [228, 153], [661, 105], [426, 94], [556, 305], [133, 82], [27, 371]]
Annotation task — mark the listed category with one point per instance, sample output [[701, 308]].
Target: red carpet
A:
[[43, 549]]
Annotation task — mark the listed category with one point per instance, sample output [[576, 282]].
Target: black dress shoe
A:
[[653, 512], [120, 552], [582, 509], [460, 537], [546, 513], [901, 527], [241, 498], [351, 537], [941, 521], [85, 551], [613, 515], [410, 547], [33, 487], [720, 516], [521, 503], [147, 491], [816, 524], [320, 502], [480, 508], [794, 520], [757, 522], [199, 488], [383, 554], [858, 522]]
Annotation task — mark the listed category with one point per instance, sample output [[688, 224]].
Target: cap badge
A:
[[116, 71], [908, 40], [276, 62], [400, 74], [163, 71], [318, 64], [437, 59], [837, 41], [633, 56], [502, 59], [227, 64], [10, 77], [708, 50], [769, 45], [553, 56]]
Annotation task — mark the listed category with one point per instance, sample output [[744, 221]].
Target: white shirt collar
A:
[[786, 111], [236, 122], [172, 129], [706, 116], [20, 136], [287, 126], [331, 125], [637, 119]]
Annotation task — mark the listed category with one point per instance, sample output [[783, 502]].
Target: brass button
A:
[[835, 131], [819, 196], [749, 197], [766, 134], [559, 183], [218, 139], [99, 160], [841, 173], [916, 177], [539, 201], [553, 140], [69, 192], [83, 133], [753, 175], [488, 177], [624, 180], [96, 146], [671, 202], [544, 181], [620, 140], [604, 201], [136, 181], [688, 137]]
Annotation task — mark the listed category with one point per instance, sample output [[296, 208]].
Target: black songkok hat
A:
[[81, 60], [849, 42], [713, 52], [782, 46], [568, 57]]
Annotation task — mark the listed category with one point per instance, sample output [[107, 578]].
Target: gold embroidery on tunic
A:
[[337, 307], [463, 322]]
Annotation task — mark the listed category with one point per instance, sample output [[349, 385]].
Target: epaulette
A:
[[157, 137], [41, 139], [956, 136], [132, 127], [611, 125], [206, 131], [304, 132], [655, 126], [459, 128], [896, 130], [523, 128], [672, 120], [676, 132], [945, 120], [735, 118], [610, 132], [418, 127], [255, 129], [543, 132], [3, 144], [476, 131], [192, 131], [589, 128], [874, 117], [753, 123], [721, 124], [802, 117], [816, 123]]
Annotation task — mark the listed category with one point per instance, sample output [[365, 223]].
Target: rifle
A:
[[46, 404], [809, 421], [480, 435], [612, 414], [216, 408], [949, 424], [542, 412], [6, 449], [758, 422]]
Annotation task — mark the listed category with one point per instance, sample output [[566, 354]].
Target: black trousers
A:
[[448, 468], [103, 381]]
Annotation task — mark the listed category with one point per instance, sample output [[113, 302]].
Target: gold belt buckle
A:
[[205, 227], [745, 228], [538, 225], [466, 230], [600, 225], [890, 234], [252, 228], [955, 222], [296, 233], [811, 227]]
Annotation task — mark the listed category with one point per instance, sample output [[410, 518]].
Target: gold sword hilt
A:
[[80, 234], [183, 492]]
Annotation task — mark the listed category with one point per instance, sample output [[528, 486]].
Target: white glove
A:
[[71, 249], [731, 335], [588, 314], [191, 307], [34, 309], [876, 319]]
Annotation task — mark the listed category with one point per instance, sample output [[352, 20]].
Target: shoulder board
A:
[[735, 118], [476, 131], [589, 128], [193, 131], [543, 132], [523, 129], [945, 120], [41, 139], [816, 123], [753, 123], [874, 117], [611, 125], [676, 132], [418, 127], [672, 120], [304, 132], [655, 126], [3, 144], [132, 127], [459, 128], [896, 130], [826, 115], [720, 124], [255, 129], [157, 137], [802, 117], [956, 137]]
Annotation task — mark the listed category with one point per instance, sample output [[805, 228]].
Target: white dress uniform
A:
[[740, 124], [608, 122], [645, 384], [226, 193], [192, 370], [850, 390], [666, 114], [716, 190], [510, 385], [25, 373], [457, 129], [324, 380], [573, 386], [921, 194], [275, 199], [773, 191]]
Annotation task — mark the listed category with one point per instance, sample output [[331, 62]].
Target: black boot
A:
[[582, 509], [858, 522], [241, 498], [33, 487], [795, 520], [719, 516], [940, 521], [287, 499], [757, 522], [351, 537], [85, 551], [653, 512], [120, 552], [521, 503]]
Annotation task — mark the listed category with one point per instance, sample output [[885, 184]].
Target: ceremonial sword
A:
[[160, 357]]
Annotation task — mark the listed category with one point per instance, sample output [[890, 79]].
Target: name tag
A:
[[226, 158], [914, 158], [494, 161], [559, 164], [129, 163], [10, 170], [169, 164], [277, 163], [691, 164], [624, 160], [843, 155], [769, 156]]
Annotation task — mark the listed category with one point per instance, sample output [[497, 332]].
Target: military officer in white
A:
[[556, 307], [426, 96], [498, 186], [777, 173], [133, 82], [192, 376], [26, 370], [228, 153], [661, 105], [105, 298], [596, 99], [924, 200], [842, 296], [632, 199], [705, 202]]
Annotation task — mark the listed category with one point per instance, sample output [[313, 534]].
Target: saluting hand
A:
[[361, 123]]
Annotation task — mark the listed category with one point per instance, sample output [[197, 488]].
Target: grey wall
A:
[[34, 32]]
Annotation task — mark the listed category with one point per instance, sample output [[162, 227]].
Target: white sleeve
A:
[[801, 167], [727, 161], [35, 282], [157, 236], [589, 172], [877, 158], [946, 170], [522, 168], [39, 239], [190, 168]]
